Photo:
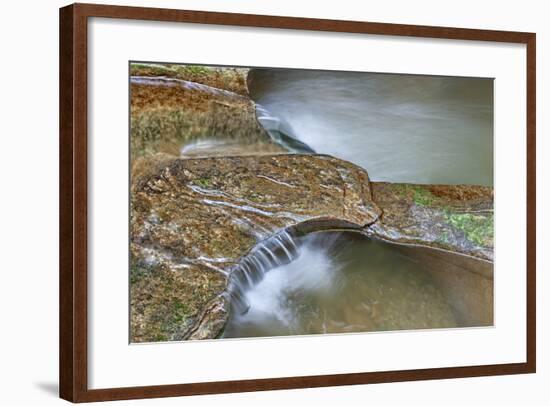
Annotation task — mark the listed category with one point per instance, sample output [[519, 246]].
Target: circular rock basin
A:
[[345, 282]]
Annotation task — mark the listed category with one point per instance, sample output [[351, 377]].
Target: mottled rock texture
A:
[[180, 117], [194, 219], [458, 218], [230, 79]]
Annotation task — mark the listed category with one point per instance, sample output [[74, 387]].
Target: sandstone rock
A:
[[194, 220], [230, 79], [458, 218], [179, 117]]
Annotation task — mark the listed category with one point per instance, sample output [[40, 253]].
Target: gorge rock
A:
[[457, 218], [184, 111], [192, 221], [209, 183], [231, 79]]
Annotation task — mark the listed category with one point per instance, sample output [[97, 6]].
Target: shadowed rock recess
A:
[[196, 215]]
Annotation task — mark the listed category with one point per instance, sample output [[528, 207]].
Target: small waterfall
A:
[[385, 123], [280, 131], [277, 250], [340, 282]]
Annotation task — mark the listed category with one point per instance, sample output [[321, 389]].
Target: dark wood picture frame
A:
[[73, 362]]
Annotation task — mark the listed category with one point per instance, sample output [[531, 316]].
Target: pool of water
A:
[[341, 283], [400, 128]]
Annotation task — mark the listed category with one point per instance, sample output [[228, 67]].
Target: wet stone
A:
[[193, 220], [457, 218], [180, 117]]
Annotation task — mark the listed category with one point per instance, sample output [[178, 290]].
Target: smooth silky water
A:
[[417, 129], [401, 128], [339, 282]]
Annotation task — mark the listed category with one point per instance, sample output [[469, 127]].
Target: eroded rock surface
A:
[[458, 218], [230, 79], [193, 220], [182, 117]]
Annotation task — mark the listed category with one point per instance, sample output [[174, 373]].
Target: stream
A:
[[401, 128]]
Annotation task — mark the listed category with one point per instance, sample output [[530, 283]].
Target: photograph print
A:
[[268, 202]]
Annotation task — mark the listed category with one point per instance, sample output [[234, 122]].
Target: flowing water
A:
[[338, 282], [401, 128]]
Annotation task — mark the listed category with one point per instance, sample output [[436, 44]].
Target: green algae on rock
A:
[[458, 218], [477, 228]]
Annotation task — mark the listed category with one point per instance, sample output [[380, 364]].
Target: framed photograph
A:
[[254, 202]]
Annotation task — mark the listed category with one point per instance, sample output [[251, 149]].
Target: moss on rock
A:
[[457, 218], [477, 228]]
